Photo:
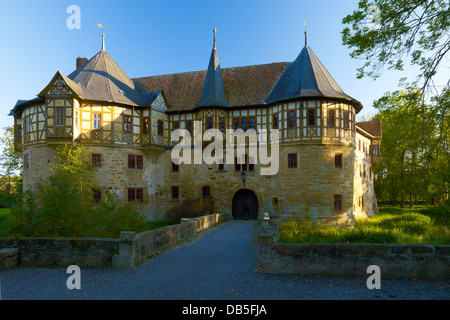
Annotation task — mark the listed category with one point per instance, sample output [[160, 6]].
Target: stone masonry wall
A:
[[45, 252], [352, 260]]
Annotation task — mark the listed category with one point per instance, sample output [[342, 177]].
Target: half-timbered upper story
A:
[[99, 104]]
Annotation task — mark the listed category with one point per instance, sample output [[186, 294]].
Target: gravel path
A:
[[219, 265]]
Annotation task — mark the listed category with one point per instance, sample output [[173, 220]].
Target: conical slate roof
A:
[[213, 94], [102, 79], [307, 77]]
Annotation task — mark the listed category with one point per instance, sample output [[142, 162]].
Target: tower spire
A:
[[213, 94], [214, 30], [103, 42], [306, 35]]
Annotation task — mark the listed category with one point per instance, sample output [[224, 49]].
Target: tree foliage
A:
[[415, 28], [415, 149], [64, 206], [10, 168]]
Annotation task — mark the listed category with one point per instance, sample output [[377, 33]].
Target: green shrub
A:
[[64, 206]]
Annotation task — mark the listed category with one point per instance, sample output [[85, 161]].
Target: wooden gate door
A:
[[245, 205]]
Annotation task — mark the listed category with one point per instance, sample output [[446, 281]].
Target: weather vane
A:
[[103, 37]]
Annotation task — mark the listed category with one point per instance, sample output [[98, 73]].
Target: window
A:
[[252, 123], [139, 162], [59, 116], [275, 201], [292, 120], [27, 124], [175, 192], [245, 164], [220, 167], [375, 150], [311, 117], [244, 124], [331, 118], [189, 127], [96, 160], [338, 160], [131, 161], [19, 132], [337, 202], [360, 171], [146, 126], [364, 171], [26, 161], [205, 191], [175, 167], [251, 164], [222, 124], [292, 160], [97, 195], [236, 123], [135, 194], [237, 166], [160, 128], [97, 121], [76, 118], [209, 123], [275, 121], [127, 124], [345, 120]]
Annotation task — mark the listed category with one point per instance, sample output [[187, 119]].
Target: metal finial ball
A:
[[214, 30]]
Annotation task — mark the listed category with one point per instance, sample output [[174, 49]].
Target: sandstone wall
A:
[[352, 260]]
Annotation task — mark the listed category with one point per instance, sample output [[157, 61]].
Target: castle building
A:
[[326, 159]]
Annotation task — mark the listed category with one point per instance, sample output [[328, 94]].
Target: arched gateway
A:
[[245, 205]]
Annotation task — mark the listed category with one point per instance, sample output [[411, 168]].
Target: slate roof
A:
[[244, 86], [213, 94], [307, 77], [102, 79], [99, 79]]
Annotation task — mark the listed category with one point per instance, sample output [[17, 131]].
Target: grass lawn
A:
[[390, 225]]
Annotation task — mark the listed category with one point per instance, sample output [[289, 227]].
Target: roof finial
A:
[[214, 30], [103, 42], [306, 35]]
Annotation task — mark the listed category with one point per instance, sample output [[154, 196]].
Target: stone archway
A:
[[245, 205]]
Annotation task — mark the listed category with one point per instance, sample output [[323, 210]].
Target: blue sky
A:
[[159, 37]]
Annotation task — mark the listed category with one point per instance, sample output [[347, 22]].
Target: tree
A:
[[415, 28], [10, 164], [415, 156], [64, 206]]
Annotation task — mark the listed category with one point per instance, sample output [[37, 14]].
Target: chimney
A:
[[81, 61]]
